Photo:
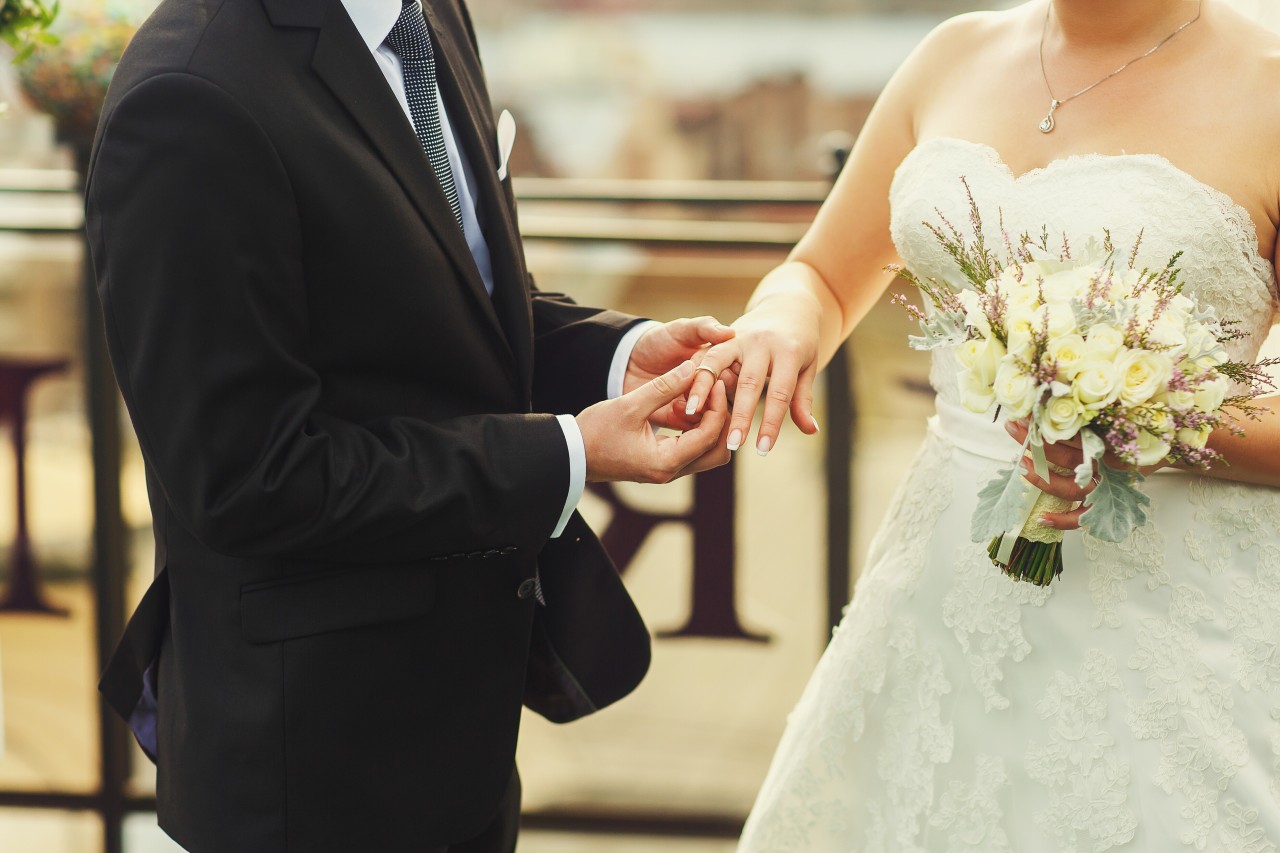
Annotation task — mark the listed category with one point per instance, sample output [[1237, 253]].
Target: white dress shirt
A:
[[373, 20]]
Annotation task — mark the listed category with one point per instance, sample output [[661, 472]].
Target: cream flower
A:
[[1062, 287], [1151, 449], [1062, 320], [1104, 342], [1063, 418], [975, 395], [1143, 374], [974, 315], [1197, 438], [1014, 390], [1097, 383], [1179, 400], [1068, 351], [1208, 397], [982, 356]]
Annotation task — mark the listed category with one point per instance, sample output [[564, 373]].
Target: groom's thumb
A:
[[661, 391]]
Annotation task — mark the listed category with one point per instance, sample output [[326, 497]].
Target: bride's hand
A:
[[775, 345], [1067, 455]]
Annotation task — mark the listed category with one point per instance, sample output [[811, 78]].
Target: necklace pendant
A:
[[1048, 124]]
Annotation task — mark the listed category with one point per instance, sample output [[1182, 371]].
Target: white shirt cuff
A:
[[622, 357], [577, 469]]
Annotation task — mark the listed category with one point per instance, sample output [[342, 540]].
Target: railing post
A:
[[841, 427], [109, 562]]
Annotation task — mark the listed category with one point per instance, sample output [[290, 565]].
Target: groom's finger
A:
[[717, 413], [661, 391], [698, 332]]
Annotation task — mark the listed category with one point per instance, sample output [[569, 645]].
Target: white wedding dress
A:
[[1134, 704]]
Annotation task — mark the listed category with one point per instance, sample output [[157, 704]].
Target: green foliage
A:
[[1002, 505], [1117, 506], [24, 25]]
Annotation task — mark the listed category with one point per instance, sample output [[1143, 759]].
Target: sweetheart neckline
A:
[[1232, 208]]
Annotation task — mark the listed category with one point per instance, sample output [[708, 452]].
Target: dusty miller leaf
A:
[[1094, 448], [1002, 505], [1117, 506], [940, 330]]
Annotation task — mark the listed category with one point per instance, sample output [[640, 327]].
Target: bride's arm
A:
[[1255, 456], [804, 309]]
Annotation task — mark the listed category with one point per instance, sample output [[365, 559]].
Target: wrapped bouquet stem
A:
[[1032, 551], [1085, 348]]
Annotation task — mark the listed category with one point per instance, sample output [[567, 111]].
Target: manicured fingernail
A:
[[814, 421], [1045, 521], [692, 405], [1008, 427], [763, 446], [685, 370], [735, 440]]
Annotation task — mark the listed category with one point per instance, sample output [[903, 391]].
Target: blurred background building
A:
[[669, 151]]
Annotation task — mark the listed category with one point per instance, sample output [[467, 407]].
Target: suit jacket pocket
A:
[[308, 604]]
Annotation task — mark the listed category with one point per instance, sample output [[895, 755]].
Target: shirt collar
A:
[[373, 19]]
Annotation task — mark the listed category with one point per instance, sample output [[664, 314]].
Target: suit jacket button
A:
[[526, 588]]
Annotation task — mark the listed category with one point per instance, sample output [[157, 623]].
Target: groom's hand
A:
[[621, 444], [662, 348]]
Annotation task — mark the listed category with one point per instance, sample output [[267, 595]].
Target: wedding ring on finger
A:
[[715, 374]]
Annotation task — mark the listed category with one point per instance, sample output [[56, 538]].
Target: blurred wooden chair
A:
[[23, 593]]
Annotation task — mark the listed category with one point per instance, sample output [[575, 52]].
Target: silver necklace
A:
[[1048, 124]]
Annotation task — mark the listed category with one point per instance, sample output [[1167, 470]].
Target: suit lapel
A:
[[342, 61], [468, 114]]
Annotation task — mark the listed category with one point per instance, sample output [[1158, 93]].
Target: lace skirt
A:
[[1133, 705]]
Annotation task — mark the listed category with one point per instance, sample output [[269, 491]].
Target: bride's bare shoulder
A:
[[973, 32], [965, 42], [1249, 57]]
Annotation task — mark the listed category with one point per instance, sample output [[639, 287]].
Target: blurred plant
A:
[[69, 79], [24, 24]]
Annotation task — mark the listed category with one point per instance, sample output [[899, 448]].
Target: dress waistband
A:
[[973, 433]]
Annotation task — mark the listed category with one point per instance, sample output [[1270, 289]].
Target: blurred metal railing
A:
[[724, 216]]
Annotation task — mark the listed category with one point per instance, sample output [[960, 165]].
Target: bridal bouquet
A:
[[1090, 348]]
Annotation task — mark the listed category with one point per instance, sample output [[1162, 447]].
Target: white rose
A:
[[1122, 285], [1197, 438], [1020, 343], [1151, 448], [1170, 330], [1179, 400], [1014, 390], [1209, 395], [1062, 320], [1063, 418], [1068, 352], [1143, 374], [974, 315], [1103, 342], [1062, 287], [982, 356], [1097, 384], [975, 395], [1202, 343]]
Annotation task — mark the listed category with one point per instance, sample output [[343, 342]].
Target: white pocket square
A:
[[506, 139]]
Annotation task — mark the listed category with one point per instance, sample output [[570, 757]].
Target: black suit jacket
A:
[[348, 479]]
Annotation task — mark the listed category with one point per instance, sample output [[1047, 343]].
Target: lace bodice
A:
[[1080, 196]]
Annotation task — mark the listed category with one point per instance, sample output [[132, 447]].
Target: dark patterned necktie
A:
[[411, 41]]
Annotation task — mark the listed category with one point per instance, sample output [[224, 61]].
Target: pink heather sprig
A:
[[1179, 381], [912, 311]]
